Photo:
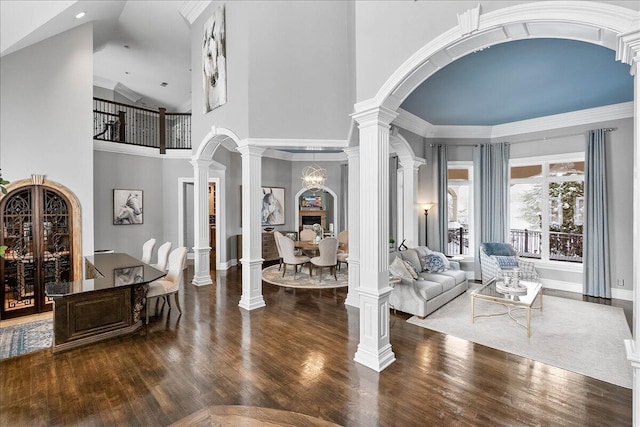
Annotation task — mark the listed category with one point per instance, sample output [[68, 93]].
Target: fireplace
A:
[[313, 216]]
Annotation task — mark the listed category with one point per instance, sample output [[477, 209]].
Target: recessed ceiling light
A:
[[126, 72], [164, 84], [126, 46], [80, 15]]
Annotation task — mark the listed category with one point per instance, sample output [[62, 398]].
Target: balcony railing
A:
[[126, 124], [562, 246], [458, 241], [527, 243]]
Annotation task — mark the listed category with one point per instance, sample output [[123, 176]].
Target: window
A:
[[460, 208], [547, 207]]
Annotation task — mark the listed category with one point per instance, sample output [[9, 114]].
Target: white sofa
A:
[[430, 291]]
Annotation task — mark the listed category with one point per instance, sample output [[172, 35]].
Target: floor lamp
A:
[[426, 208]]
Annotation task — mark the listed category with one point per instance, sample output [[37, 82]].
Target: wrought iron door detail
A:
[[36, 229]]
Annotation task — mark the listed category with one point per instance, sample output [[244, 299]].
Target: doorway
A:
[[37, 228]]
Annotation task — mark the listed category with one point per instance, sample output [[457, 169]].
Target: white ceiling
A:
[[155, 31]]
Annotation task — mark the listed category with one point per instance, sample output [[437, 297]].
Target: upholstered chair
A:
[[328, 256], [169, 284], [147, 250], [496, 256], [343, 247], [289, 257], [163, 256], [276, 236], [307, 235]]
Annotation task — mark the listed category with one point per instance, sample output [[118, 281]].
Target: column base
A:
[[201, 273], [374, 350], [377, 361], [252, 285], [353, 297]]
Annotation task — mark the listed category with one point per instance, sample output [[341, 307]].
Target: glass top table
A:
[[512, 299]]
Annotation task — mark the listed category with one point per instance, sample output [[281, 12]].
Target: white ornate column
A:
[[251, 228], [629, 52], [374, 350], [409, 168], [201, 249], [353, 156]]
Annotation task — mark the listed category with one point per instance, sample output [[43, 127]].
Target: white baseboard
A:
[[190, 255], [623, 294], [616, 293], [227, 265]]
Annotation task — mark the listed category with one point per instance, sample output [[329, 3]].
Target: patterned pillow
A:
[[434, 263], [506, 261], [397, 269], [410, 269]]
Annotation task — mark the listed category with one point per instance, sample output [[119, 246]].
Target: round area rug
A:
[[303, 281]]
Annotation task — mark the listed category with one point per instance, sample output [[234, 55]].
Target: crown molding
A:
[[302, 144], [421, 127], [191, 10], [135, 150], [558, 121]]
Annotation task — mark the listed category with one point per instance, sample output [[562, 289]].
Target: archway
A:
[[336, 208], [596, 23]]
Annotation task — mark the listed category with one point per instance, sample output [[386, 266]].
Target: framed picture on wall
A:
[[127, 207], [273, 206]]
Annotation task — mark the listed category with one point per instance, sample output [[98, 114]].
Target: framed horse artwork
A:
[[272, 211], [127, 207]]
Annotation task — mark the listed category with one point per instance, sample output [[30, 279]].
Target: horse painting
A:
[[272, 210], [127, 207]]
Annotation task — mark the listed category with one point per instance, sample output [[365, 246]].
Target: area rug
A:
[[25, 338], [578, 336], [302, 280]]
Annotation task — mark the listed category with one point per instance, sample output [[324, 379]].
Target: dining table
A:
[[107, 303]]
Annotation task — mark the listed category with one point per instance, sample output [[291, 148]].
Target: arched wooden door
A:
[[37, 229]]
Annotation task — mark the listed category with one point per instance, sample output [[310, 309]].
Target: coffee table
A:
[[512, 301]]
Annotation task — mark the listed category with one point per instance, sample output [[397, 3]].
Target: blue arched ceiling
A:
[[522, 80]]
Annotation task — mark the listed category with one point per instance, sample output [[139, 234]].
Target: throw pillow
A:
[[410, 269], [397, 269], [506, 261], [434, 263], [412, 256]]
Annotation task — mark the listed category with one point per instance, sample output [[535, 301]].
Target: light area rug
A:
[[25, 338], [578, 336], [302, 279]]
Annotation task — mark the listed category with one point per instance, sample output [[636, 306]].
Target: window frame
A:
[[465, 164], [544, 181]]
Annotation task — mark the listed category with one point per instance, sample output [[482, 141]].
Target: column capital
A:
[[409, 162], [200, 163], [629, 49], [250, 150], [375, 116], [352, 152]]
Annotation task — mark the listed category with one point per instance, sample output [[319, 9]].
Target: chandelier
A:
[[314, 177]]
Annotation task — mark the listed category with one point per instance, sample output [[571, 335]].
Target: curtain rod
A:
[[528, 140]]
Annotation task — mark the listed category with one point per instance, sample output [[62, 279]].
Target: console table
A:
[[106, 304]]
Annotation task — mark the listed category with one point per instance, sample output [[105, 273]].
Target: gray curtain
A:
[[491, 189], [597, 282], [443, 205]]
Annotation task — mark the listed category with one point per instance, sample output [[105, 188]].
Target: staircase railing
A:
[[127, 124]]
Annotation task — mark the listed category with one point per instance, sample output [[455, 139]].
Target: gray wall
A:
[[46, 120], [122, 171]]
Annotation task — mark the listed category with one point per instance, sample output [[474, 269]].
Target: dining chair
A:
[[307, 235], [289, 256], [343, 247], [169, 284], [328, 256], [277, 235], [147, 250], [163, 256]]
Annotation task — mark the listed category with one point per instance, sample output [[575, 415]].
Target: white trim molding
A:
[[135, 150], [192, 9]]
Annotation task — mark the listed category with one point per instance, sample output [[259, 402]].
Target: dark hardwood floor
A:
[[295, 355]]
